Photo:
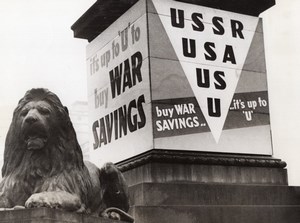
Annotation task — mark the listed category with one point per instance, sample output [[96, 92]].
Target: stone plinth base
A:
[[163, 166], [197, 194], [186, 202], [218, 214], [47, 215], [166, 172], [192, 187]]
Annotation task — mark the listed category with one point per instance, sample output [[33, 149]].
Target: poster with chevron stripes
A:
[[208, 79]]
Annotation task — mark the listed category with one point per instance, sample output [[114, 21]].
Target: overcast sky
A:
[[37, 49], [282, 35]]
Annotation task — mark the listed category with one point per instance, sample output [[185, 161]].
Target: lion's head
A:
[[41, 132]]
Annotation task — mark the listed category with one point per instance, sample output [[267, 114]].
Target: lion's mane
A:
[[57, 167]]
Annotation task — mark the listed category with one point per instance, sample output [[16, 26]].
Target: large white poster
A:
[[119, 91], [209, 85], [212, 47]]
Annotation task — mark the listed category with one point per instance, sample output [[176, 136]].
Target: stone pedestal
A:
[[167, 186], [179, 170], [164, 166], [47, 215]]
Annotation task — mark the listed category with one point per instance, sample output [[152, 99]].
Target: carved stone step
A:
[[217, 214], [183, 193], [47, 215]]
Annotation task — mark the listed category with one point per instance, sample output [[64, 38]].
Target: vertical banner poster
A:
[[119, 89], [209, 85]]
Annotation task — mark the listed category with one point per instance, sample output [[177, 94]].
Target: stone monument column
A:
[[178, 98]]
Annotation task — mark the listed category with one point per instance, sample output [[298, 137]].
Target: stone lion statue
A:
[[43, 164]]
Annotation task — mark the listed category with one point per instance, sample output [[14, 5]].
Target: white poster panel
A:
[[119, 93], [216, 40], [216, 111]]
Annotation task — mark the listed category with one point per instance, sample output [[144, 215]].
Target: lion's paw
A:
[[116, 214], [112, 215], [56, 199]]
